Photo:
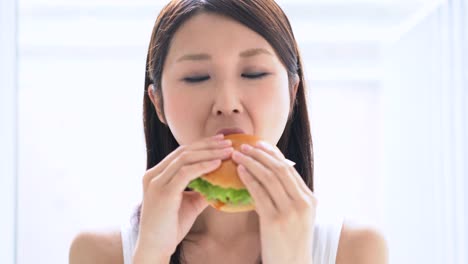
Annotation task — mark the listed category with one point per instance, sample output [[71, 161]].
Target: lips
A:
[[229, 131]]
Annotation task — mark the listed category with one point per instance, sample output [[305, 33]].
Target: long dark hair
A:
[[264, 17]]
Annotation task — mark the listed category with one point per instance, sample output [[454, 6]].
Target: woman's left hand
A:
[[284, 203]]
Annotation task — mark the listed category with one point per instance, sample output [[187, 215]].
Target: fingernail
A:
[[227, 150], [264, 144], [236, 154], [225, 142], [218, 136], [246, 147]]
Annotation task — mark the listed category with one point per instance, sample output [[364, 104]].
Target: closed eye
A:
[[198, 79], [255, 75]]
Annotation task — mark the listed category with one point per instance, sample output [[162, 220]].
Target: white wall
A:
[[346, 129], [425, 141], [8, 129], [81, 151], [410, 165]]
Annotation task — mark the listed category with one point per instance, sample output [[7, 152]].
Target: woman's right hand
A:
[[167, 211]]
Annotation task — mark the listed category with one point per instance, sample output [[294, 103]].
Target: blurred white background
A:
[[388, 102]]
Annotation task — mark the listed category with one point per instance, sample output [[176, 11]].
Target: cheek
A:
[[178, 101], [276, 96], [272, 109], [184, 114], [181, 105]]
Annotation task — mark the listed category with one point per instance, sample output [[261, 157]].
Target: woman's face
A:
[[221, 74]]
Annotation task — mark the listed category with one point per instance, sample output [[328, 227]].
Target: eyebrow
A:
[[245, 54]]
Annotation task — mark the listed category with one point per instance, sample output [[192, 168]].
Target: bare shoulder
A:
[[361, 244], [96, 247]]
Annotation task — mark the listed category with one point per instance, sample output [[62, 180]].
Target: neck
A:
[[222, 226]]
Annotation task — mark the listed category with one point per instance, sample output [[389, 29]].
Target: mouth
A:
[[229, 131]]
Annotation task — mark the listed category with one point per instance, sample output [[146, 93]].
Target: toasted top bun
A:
[[226, 175]]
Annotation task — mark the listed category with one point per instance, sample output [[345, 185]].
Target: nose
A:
[[227, 100]]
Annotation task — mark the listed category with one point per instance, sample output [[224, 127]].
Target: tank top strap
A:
[[327, 234], [129, 235]]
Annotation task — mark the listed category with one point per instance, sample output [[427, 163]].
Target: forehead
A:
[[215, 34]]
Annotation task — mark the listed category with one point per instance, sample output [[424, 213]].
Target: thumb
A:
[[198, 202]]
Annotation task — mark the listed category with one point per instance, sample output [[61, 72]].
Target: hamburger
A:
[[222, 188]]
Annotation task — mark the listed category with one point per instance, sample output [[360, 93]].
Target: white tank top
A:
[[325, 248]]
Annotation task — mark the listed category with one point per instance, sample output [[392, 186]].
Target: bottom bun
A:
[[231, 208]]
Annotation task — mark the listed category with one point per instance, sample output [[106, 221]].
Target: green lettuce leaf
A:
[[226, 195]]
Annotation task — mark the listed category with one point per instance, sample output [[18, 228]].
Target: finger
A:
[[269, 148], [263, 203], [184, 175], [196, 200], [190, 157], [187, 173], [308, 198], [210, 142], [279, 167], [300, 182], [294, 185], [267, 178], [298, 192], [207, 143]]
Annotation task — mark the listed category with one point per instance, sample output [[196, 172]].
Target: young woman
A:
[[224, 64]]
